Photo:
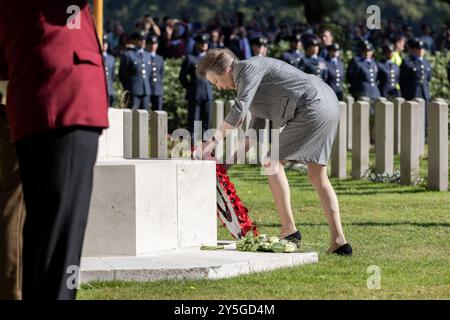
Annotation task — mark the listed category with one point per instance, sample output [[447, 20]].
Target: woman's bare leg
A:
[[279, 186], [318, 176]]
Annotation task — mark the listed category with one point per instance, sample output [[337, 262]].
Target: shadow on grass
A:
[[366, 224], [368, 189], [341, 186], [369, 192]]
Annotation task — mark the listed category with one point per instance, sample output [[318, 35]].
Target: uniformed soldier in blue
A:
[[362, 74], [415, 72], [198, 91], [109, 63], [312, 63], [134, 72], [259, 46], [336, 70], [156, 73], [415, 75], [294, 55], [303, 105], [388, 73]]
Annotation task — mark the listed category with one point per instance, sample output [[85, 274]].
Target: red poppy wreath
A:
[[230, 209]]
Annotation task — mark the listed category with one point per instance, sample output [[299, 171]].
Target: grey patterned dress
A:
[[305, 105]]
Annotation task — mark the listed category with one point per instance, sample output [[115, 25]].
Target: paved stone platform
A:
[[189, 264]]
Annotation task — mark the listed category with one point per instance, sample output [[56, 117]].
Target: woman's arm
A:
[[255, 124], [243, 148], [208, 146], [224, 130], [249, 79]]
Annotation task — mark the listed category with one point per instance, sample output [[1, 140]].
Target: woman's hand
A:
[[208, 150], [205, 151]]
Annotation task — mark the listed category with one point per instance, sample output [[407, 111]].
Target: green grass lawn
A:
[[403, 230]]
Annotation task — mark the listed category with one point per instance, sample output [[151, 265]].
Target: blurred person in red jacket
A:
[[57, 107]]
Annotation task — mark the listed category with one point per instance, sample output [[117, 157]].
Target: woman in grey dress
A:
[[307, 108]]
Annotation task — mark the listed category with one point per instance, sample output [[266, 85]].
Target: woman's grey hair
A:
[[216, 60]]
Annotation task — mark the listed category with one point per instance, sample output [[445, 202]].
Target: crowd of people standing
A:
[[402, 70]]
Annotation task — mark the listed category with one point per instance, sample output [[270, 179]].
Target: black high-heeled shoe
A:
[[344, 250], [295, 237]]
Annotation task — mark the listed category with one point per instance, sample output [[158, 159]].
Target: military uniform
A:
[[258, 42], [198, 91], [109, 63], [134, 73], [388, 78], [362, 76], [415, 77], [336, 73], [314, 64], [292, 56], [156, 77]]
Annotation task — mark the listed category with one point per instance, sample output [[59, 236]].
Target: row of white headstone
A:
[[128, 135], [399, 129], [134, 209]]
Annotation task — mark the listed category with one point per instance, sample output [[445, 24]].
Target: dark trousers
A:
[[139, 102], [12, 214], [56, 168], [157, 102], [198, 111]]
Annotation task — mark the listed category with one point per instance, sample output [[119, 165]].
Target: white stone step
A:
[[189, 264]]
